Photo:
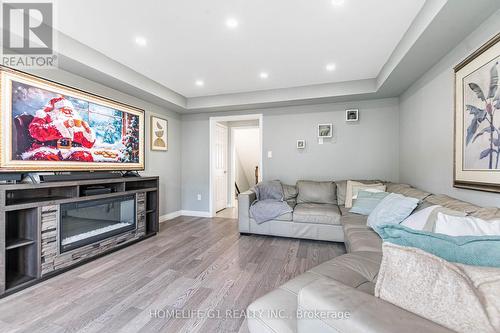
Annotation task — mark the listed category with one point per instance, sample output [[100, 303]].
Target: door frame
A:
[[212, 122], [226, 172]]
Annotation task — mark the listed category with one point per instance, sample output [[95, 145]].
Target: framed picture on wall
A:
[[301, 144], [325, 130], [477, 119], [48, 126], [159, 133], [352, 115]]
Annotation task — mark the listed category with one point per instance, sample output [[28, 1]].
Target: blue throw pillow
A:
[[469, 250], [393, 209], [366, 202]]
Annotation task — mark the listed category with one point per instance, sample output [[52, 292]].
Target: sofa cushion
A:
[[348, 219], [262, 311], [448, 202], [367, 314], [407, 191], [357, 270], [283, 217], [487, 213], [362, 239], [290, 194], [316, 213], [357, 235], [316, 192]]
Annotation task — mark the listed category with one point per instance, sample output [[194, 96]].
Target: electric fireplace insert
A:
[[87, 222]]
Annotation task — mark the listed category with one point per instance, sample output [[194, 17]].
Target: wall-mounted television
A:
[[46, 126]]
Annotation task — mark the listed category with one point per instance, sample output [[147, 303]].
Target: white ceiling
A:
[[292, 40]]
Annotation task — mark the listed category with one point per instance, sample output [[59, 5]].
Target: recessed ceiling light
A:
[[199, 83], [338, 2], [232, 23], [264, 75], [141, 41], [330, 67]]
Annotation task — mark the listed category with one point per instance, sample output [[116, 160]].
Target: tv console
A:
[[48, 228]]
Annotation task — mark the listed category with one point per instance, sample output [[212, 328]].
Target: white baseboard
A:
[[170, 216], [173, 215], [197, 213]]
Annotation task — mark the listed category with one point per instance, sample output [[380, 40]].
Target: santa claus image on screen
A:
[[60, 133]]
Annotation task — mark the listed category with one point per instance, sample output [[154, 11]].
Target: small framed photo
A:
[[159, 134], [301, 144], [325, 130], [352, 115]]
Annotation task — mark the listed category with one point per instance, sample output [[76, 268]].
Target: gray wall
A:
[[163, 164], [368, 149], [426, 124]]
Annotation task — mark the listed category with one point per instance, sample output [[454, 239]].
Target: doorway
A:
[[245, 156], [235, 160]]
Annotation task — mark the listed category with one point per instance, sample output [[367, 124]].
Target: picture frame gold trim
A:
[[480, 180], [151, 134], [7, 164]]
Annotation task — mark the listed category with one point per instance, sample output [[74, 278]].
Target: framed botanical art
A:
[[159, 134], [477, 119]]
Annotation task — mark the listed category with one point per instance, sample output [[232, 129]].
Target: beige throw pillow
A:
[[354, 187], [460, 297]]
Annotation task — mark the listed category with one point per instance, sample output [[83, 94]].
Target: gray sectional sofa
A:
[[316, 213], [344, 284]]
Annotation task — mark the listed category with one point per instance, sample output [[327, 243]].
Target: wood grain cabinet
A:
[[33, 238]]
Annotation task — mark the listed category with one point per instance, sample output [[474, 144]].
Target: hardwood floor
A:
[[230, 213], [193, 264]]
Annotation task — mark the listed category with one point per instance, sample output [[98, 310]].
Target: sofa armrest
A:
[[245, 199], [330, 306]]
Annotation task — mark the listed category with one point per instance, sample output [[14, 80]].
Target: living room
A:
[[371, 194]]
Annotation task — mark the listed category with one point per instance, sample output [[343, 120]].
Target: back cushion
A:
[[455, 204], [316, 192], [407, 191], [290, 194], [487, 213]]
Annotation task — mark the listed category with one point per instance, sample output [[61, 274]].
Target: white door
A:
[[220, 167]]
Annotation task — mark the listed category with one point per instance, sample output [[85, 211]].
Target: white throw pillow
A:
[[462, 298], [466, 226], [426, 218], [419, 219], [354, 187]]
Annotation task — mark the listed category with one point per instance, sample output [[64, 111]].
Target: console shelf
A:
[[19, 242], [29, 215]]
